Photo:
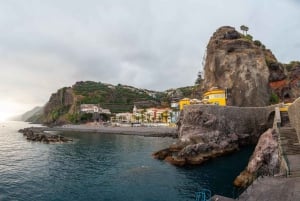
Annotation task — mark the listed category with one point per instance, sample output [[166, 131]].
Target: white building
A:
[[93, 108]]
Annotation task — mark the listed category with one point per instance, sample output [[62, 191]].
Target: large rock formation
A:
[[264, 160], [235, 63], [207, 131], [250, 72]]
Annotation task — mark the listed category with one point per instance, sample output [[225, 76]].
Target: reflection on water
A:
[[104, 167]]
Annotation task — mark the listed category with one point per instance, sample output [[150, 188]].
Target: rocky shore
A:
[[208, 131], [36, 134]]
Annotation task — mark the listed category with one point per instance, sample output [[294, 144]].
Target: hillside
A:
[[63, 106]]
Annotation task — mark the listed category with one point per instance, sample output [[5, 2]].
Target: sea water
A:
[[105, 167]]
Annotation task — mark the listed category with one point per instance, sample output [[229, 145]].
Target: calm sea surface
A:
[[104, 167]]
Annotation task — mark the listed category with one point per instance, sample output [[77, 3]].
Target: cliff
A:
[[59, 106]]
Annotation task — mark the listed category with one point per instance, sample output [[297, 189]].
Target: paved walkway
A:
[[273, 189]]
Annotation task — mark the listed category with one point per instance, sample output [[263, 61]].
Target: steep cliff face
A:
[[236, 63], [59, 104]]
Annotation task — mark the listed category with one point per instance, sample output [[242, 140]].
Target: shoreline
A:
[[136, 131]]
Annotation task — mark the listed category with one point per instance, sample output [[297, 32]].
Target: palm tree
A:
[[244, 29]]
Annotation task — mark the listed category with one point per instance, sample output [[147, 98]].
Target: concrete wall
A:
[[294, 115]]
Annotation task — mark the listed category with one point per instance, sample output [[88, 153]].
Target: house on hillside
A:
[[93, 108], [94, 112]]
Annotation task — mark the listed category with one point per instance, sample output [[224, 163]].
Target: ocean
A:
[[105, 167]]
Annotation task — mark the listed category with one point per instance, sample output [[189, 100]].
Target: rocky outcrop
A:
[[264, 160], [250, 72], [38, 135], [235, 63], [208, 131]]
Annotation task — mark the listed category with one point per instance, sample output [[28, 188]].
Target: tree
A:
[[244, 29], [199, 78]]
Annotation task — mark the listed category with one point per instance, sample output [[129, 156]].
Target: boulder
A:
[[38, 135], [264, 160]]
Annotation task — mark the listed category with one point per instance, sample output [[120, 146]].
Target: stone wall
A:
[[294, 115], [248, 123]]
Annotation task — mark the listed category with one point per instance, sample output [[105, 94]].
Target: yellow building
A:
[[215, 96], [285, 107], [183, 102]]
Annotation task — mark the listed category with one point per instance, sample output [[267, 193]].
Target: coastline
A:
[[137, 131]]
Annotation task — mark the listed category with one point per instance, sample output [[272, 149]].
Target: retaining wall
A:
[[294, 116]]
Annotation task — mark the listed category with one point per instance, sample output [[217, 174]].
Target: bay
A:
[[105, 167]]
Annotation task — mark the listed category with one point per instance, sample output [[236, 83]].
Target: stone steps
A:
[[289, 137]]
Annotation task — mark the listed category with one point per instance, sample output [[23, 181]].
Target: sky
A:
[[153, 44]]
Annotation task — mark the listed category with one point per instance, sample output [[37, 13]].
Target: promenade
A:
[[159, 131]]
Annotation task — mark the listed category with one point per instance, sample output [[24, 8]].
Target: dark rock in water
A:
[[38, 135]]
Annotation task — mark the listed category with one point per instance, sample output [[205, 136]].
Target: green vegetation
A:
[[274, 98], [257, 43], [187, 91], [248, 37], [57, 112], [64, 106], [292, 65], [199, 79], [118, 98]]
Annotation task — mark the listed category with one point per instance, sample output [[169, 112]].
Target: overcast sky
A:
[[153, 44]]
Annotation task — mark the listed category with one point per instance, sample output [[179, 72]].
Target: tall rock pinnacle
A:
[[235, 63]]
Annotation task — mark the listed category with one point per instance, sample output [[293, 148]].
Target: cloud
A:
[[154, 44]]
